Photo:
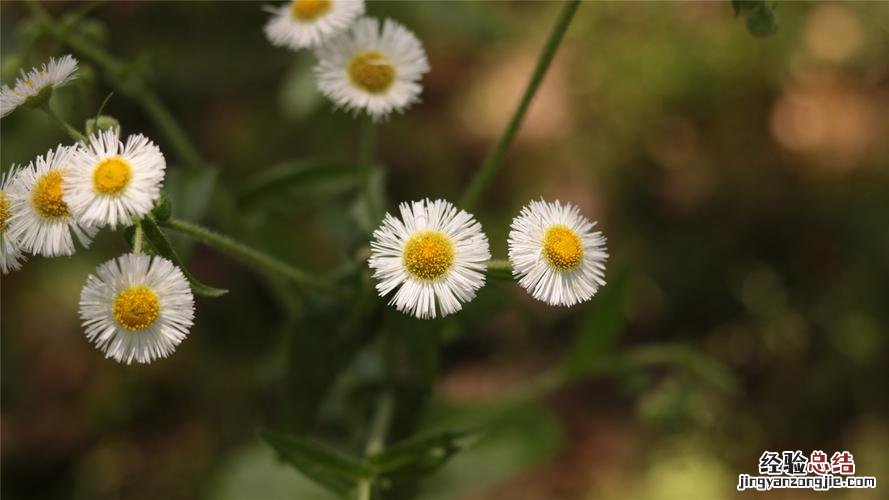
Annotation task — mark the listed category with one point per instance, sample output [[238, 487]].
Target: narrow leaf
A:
[[422, 455], [324, 342], [162, 247], [275, 179], [338, 473]]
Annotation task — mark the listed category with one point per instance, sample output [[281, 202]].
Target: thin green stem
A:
[[260, 260], [138, 236], [70, 130], [364, 489], [123, 81], [367, 143], [499, 265], [379, 427], [162, 117], [486, 172]]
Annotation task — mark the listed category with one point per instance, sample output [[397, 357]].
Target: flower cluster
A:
[[435, 256], [136, 307], [432, 259], [363, 64]]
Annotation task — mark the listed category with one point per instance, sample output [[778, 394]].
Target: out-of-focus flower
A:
[[372, 69], [555, 253], [309, 23], [833, 33], [832, 121], [36, 85], [434, 256], [10, 253], [137, 308], [110, 182], [41, 219]]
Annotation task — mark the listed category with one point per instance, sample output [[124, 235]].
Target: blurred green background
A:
[[742, 182]]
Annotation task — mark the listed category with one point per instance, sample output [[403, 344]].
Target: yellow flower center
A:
[[428, 255], [47, 196], [5, 212], [136, 308], [372, 71], [112, 176], [309, 10], [562, 248]]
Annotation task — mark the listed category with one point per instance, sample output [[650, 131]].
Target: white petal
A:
[[447, 294]]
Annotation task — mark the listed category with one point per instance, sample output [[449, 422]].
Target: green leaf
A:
[[736, 6], [162, 246], [335, 471], [600, 328], [422, 455], [324, 342], [274, 180], [163, 210], [761, 21], [514, 440], [254, 472], [760, 17]]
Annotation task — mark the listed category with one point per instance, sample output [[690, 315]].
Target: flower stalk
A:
[[486, 172], [67, 127], [138, 237], [251, 256], [127, 84]]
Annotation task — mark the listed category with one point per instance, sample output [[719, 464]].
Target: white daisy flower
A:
[[56, 73], [377, 71], [10, 253], [434, 255], [110, 182], [137, 308], [41, 219], [555, 254], [308, 23]]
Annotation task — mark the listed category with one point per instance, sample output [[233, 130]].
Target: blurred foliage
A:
[[743, 184]]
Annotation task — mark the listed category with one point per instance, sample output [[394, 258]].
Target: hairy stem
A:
[[138, 236], [251, 256], [499, 265], [486, 172]]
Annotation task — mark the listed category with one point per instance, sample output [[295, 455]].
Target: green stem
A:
[[379, 428], [71, 131], [367, 143], [486, 172], [249, 255], [138, 236], [162, 117], [123, 81], [500, 269], [364, 489]]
